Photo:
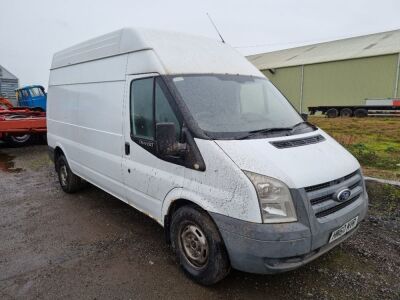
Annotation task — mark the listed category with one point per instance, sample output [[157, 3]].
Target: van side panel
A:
[[85, 109], [106, 69], [142, 62]]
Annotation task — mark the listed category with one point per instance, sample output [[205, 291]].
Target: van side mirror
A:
[[304, 116], [166, 139]]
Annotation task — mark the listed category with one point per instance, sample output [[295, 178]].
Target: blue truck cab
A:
[[32, 96]]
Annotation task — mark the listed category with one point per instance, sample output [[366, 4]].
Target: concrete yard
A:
[[92, 246]]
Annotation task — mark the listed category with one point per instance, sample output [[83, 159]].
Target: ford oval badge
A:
[[343, 195]]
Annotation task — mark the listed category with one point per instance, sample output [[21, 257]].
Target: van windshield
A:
[[235, 104]]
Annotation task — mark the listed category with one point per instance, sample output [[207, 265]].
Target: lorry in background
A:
[[372, 107], [32, 96], [186, 130]]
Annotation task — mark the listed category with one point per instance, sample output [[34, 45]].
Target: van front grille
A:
[[323, 196], [336, 208], [321, 199], [298, 142], [330, 183]]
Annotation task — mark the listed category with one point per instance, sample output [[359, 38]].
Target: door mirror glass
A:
[[167, 143]]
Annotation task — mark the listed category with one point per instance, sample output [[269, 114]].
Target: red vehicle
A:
[[19, 125]]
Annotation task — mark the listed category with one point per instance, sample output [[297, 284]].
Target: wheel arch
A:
[[58, 151], [174, 200]]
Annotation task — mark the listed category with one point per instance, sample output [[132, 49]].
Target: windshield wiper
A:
[[268, 130]]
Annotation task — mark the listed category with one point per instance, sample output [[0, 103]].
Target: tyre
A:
[[346, 113], [332, 113], [360, 113], [198, 246], [19, 140], [70, 183]]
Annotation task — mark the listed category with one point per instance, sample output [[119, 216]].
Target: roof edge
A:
[[371, 45], [327, 42]]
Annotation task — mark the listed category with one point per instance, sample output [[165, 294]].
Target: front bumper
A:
[[276, 248]]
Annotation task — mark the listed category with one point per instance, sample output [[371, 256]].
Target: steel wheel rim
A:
[[194, 244], [63, 175]]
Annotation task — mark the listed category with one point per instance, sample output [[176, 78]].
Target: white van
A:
[[187, 131]]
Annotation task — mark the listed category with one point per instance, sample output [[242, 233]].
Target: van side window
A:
[[164, 112], [141, 101]]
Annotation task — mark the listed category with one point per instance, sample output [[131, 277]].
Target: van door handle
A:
[[127, 148]]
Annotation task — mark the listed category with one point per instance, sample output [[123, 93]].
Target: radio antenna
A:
[[215, 27]]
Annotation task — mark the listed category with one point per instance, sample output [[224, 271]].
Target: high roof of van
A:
[[178, 53]]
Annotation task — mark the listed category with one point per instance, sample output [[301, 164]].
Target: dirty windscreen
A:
[[234, 103]]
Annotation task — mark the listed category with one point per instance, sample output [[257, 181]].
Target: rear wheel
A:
[[332, 113], [360, 113], [198, 245], [346, 113], [70, 183]]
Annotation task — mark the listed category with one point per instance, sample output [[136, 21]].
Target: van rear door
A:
[[148, 177]]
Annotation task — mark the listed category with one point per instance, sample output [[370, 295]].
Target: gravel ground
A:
[[92, 246]]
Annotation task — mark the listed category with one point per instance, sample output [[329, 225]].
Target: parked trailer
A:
[[18, 125], [371, 107]]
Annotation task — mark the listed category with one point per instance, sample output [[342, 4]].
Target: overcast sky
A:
[[31, 31]]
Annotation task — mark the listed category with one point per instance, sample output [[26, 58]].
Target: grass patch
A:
[[384, 200], [375, 142]]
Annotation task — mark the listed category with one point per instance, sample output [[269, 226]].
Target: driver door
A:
[[148, 177]]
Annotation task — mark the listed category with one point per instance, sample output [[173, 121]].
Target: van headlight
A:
[[275, 200]]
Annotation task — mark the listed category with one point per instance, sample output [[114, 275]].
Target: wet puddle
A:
[[7, 164]]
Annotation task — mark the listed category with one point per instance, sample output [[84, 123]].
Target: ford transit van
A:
[[187, 131]]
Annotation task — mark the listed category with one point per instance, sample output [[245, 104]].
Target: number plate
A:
[[350, 225]]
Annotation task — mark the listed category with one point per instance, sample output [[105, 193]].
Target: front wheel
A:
[[198, 245]]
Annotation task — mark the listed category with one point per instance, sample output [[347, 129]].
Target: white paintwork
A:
[[88, 118], [84, 110], [298, 167], [196, 54], [222, 188]]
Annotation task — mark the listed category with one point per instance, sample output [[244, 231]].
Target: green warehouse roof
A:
[[356, 47]]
